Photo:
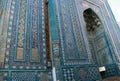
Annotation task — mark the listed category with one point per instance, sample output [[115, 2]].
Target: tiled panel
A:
[[72, 41], [68, 74], [111, 70], [26, 75], [26, 42], [84, 73], [21, 76], [23, 40], [34, 35], [93, 74], [20, 31]]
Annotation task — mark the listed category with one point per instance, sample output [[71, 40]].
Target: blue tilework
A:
[[29, 31]]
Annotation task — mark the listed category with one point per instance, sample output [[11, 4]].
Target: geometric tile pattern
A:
[[23, 40], [93, 73], [12, 20], [84, 73], [71, 50], [35, 37], [111, 70], [68, 74], [25, 50], [26, 75], [21, 29], [72, 41], [21, 76], [31, 76]]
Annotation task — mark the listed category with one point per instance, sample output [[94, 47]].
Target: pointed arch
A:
[[92, 20], [98, 45]]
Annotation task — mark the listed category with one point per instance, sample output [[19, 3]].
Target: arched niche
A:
[[98, 43], [93, 22]]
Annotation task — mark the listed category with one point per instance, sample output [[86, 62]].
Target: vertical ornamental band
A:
[[21, 31]]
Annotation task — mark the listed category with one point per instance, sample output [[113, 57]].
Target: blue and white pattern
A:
[[74, 51], [68, 35], [22, 34]]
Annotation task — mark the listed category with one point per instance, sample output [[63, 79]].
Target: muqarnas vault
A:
[[58, 40]]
